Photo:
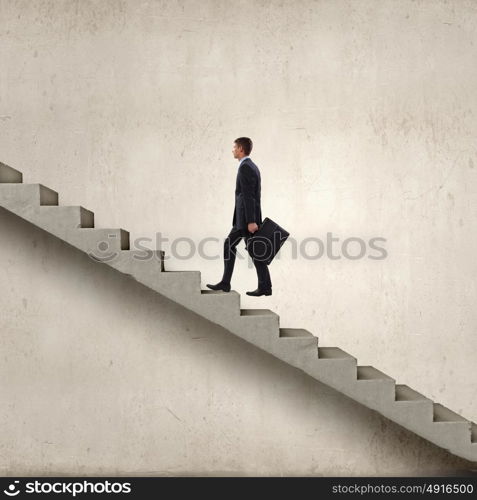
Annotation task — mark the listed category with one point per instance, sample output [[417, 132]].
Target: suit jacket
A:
[[247, 195]]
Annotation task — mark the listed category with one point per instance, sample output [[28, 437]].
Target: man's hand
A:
[[252, 227]]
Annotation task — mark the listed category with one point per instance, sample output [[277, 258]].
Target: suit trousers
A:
[[230, 252]]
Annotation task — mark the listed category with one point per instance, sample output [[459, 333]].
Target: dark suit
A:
[[247, 195], [247, 210]]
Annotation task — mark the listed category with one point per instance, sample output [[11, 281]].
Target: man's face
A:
[[237, 151]]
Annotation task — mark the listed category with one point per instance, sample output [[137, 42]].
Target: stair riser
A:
[[223, 311], [24, 199], [260, 331], [414, 416], [337, 373], [56, 220], [294, 351], [411, 412], [219, 308], [376, 394], [181, 288], [185, 285], [144, 268], [102, 245], [450, 434]]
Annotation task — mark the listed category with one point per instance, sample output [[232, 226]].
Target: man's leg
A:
[[263, 275], [264, 281], [230, 252]]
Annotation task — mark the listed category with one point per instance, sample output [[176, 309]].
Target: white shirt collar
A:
[[244, 158]]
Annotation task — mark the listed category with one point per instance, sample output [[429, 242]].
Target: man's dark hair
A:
[[246, 144]]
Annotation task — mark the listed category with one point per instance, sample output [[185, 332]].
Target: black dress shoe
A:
[[220, 286], [258, 292]]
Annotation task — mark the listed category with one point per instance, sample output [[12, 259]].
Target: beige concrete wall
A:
[[100, 375], [363, 114]]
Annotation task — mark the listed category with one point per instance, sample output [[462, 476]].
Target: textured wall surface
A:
[[100, 375], [363, 115]]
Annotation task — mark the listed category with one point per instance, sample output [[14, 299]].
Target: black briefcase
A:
[[265, 243]]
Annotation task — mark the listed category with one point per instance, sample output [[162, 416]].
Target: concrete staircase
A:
[[261, 327]]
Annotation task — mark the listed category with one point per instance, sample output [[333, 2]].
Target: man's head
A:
[[242, 147]]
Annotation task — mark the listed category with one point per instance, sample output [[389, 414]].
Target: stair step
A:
[[258, 326], [371, 373], [182, 287], [443, 414], [181, 271], [66, 217], [101, 244], [334, 367], [218, 293], [22, 198], [191, 278], [142, 264], [220, 298], [333, 353], [451, 429], [405, 393], [411, 408], [375, 388], [295, 346], [10, 175], [257, 312], [295, 333], [172, 274]]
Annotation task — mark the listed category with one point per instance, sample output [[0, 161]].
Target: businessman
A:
[[246, 219]]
